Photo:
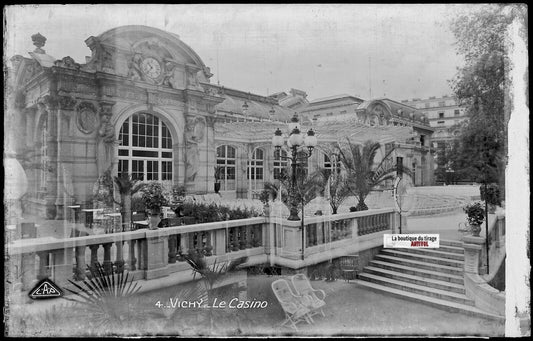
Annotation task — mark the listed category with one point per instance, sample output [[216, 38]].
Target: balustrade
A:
[[148, 253], [373, 223]]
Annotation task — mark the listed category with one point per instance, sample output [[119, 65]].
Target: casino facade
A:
[[143, 104]]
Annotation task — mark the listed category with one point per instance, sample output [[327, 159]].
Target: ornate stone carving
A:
[[68, 63], [134, 68], [106, 140], [67, 102], [31, 69], [38, 41], [194, 135], [86, 118]]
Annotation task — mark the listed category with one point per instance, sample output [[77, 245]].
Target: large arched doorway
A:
[[145, 149]]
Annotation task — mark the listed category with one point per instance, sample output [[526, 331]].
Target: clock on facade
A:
[[151, 67]]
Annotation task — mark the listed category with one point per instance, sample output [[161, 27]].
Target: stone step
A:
[[452, 249], [428, 282], [448, 242], [423, 258], [417, 264], [418, 289], [431, 301], [436, 253], [410, 270]]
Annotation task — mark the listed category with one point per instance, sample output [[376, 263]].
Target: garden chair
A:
[[311, 300], [348, 265], [295, 310]]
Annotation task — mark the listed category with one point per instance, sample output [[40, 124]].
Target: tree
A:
[[362, 176], [127, 187], [481, 86], [337, 187], [307, 188]]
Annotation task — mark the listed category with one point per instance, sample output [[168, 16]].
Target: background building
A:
[[446, 116]]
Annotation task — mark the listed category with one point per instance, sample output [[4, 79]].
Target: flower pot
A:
[[476, 230], [266, 210], [217, 187], [155, 219]]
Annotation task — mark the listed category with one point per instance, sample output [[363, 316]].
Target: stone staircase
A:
[[429, 276]]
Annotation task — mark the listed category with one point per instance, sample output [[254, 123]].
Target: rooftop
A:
[[329, 131]]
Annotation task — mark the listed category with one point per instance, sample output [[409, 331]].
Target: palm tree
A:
[[211, 275], [127, 187], [362, 176], [307, 187], [338, 190]]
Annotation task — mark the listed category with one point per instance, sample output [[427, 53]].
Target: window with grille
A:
[[256, 169], [332, 163], [280, 163], [226, 159], [145, 149]]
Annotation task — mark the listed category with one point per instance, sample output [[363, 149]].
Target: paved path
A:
[[447, 225]]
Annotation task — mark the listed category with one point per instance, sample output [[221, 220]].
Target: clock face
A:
[[151, 67]]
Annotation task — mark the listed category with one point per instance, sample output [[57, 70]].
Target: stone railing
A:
[[149, 254], [327, 237], [476, 276]]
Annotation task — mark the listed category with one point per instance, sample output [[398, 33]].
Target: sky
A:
[[371, 51]]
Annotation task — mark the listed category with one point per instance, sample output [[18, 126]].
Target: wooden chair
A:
[[303, 288], [349, 267], [295, 310]]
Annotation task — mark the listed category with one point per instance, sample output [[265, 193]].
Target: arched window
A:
[[256, 169], [145, 149], [280, 163], [226, 159]]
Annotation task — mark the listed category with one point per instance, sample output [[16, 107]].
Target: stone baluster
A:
[[43, 265], [79, 273], [132, 260], [172, 248], [242, 237], [141, 254], [258, 235], [108, 264], [184, 242], [28, 271], [94, 256], [249, 236], [119, 259]]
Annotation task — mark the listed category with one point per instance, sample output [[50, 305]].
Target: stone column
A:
[[65, 188], [48, 106], [219, 247], [473, 247]]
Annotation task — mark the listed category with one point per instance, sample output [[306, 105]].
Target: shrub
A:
[[152, 196], [492, 195], [475, 213]]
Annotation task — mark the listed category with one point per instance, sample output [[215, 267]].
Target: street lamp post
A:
[[294, 142]]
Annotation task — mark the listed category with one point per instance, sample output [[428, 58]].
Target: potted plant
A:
[[475, 215], [491, 195], [154, 199], [178, 197], [218, 177], [264, 196]]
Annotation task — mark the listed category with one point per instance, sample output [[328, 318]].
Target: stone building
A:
[[143, 104], [446, 117]]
